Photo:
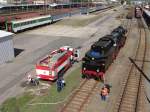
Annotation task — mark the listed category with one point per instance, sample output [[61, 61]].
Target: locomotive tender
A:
[[102, 53]]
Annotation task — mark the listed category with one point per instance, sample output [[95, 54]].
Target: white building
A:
[[3, 1], [6, 47]]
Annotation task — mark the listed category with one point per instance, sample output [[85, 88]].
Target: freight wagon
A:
[[19, 25]]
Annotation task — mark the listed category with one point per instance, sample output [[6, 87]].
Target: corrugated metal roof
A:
[[35, 18], [4, 34]]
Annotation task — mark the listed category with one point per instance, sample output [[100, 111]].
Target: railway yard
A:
[[127, 74]]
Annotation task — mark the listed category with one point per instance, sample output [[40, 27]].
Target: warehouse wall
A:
[[6, 49]]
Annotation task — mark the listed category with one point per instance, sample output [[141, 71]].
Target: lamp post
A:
[[88, 8], [70, 7], [45, 6]]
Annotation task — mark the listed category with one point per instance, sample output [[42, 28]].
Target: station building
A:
[[6, 47]]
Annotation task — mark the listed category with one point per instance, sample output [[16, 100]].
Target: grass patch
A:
[[15, 104], [72, 81]]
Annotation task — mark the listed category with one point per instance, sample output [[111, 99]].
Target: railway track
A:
[[79, 100], [102, 10], [81, 97], [131, 96]]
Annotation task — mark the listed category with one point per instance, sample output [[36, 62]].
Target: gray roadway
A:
[[12, 73]]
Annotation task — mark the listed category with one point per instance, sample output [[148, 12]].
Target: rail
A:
[[81, 97], [129, 100]]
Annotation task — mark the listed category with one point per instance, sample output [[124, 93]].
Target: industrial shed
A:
[[6, 47]]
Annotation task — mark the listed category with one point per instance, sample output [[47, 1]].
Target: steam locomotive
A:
[[102, 53]]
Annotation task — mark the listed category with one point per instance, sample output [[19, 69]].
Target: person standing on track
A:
[[59, 85], [104, 93]]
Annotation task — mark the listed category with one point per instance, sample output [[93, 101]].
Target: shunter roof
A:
[[4, 34]]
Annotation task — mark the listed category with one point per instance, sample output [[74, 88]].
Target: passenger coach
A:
[[20, 25]]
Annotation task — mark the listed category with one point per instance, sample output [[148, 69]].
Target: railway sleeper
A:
[[74, 106], [75, 102], [88, 86], [129, 101], [134, 76], [132, 89], [127, 105], [137, 74], [125, 109], [126, 100], [133, 72], [79, 99], [82, 97], [83, 93], [130, 94], [86, 90], [70, 110], [132, 85]]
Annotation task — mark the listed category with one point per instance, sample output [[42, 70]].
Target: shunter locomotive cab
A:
[[98, 58]]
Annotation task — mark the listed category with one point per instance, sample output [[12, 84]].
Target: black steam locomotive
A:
[[102, 53]]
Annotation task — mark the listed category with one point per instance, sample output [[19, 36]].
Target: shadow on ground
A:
[[17, 51]]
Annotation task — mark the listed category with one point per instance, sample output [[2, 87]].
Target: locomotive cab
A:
[[114, 44]]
